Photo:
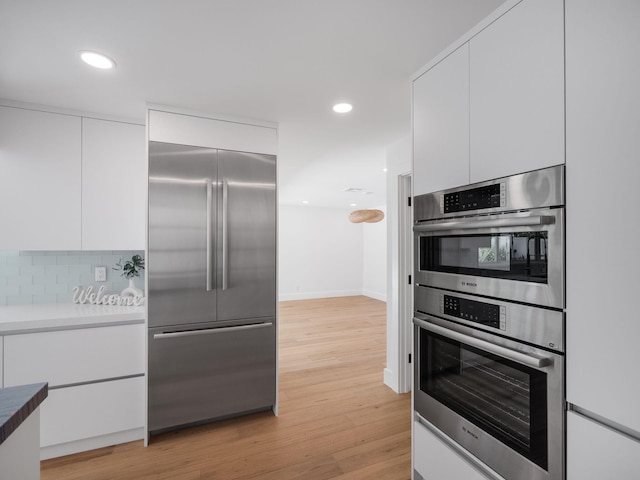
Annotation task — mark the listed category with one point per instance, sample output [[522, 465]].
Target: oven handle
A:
[[467, 224], [527, 359]]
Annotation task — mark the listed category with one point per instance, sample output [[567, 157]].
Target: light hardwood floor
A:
[[337, 419]]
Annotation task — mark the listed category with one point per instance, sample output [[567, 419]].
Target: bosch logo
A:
[[464, 429]]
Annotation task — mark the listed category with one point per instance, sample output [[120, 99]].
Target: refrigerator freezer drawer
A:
[[205, 374]]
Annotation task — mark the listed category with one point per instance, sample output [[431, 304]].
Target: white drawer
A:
[[435, 460], [85, 411], [74, 356]]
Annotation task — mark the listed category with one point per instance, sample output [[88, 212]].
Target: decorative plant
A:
[[131, 268]]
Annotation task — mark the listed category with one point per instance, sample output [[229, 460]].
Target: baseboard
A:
[[377, 295], [284, 297], [390, 380], [92, 443]]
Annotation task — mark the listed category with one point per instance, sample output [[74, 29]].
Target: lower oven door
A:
[[500, 400]]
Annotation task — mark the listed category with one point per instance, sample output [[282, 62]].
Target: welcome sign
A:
[[88, 295]]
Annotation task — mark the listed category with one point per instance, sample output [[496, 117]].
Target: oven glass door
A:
[[506, 399], [520, 256]]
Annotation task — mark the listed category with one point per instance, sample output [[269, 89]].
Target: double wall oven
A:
[[489, 321]]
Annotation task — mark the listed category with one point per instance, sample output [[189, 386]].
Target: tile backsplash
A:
[[28, 277]]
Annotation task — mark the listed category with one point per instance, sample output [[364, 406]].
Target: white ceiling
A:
[[284, 61]]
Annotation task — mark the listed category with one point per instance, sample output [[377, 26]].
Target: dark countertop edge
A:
[[17, 403]]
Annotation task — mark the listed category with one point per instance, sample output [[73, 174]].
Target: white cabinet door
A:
[[114, 185], [86, 411], [434, 460], [603, 226], [74, 356], [441, 125], [517, 91], [595, 452], [39, 180]]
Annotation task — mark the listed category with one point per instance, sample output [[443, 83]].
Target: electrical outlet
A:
[[100, 274]]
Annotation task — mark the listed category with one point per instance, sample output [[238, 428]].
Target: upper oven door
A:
[[516, 256]]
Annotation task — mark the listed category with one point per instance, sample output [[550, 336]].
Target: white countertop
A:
[[59, 316]]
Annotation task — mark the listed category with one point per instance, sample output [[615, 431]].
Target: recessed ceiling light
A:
[[384, 169], [354, 205], [342, 107], [306, 202], [361, 191], [97, 60]]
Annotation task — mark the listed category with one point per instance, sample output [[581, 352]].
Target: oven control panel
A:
[[489, 196], [487, 314]]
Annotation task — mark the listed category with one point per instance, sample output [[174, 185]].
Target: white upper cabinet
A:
[[517, 91], [71, 183], [603, 168], [441, 124], [495, 105], [39, 180], [114, 185]]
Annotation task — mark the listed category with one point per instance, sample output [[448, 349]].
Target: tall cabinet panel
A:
[[603, 121], [114, 176], [40, 180], [517, 91], [441, 124]]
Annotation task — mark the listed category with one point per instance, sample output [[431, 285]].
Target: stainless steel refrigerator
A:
[[211, 284]]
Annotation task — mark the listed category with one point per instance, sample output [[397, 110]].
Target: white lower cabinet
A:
[[92, 410], [96, 384], [435, 460], [595, 452]]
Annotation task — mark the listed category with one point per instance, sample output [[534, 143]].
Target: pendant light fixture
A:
[[366, 216]]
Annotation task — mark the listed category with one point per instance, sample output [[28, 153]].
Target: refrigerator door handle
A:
[[209, 234], [225, 246], [207, 331]]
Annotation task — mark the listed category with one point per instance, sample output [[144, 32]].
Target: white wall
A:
[[374, 269], [320, 253], [398, 163]]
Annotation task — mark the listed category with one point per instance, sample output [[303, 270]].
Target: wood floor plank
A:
[[337, 418]]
